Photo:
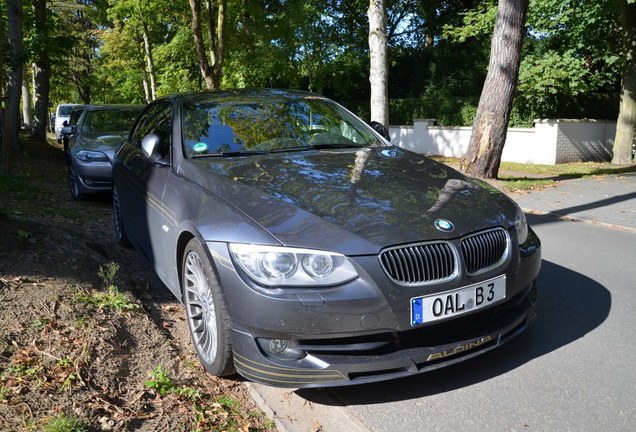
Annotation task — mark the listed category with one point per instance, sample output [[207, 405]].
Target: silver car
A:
[[100, 130]]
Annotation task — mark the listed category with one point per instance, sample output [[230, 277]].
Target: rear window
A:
[[64, 110]]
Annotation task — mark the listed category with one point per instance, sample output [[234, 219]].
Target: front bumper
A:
[[361, 332], [93, 177], [346, 362]]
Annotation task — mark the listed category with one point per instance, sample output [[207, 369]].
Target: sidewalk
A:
[[608, 200]]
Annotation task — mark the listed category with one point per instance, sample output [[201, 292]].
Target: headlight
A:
[[521, 225], [91, 156], [281, 266]]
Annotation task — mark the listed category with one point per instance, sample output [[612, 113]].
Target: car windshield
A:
[[227, 126], [110, 120]]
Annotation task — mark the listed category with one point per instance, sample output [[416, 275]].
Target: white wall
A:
[[548, 142]]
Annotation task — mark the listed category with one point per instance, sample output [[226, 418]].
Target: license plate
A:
[[436, 307]]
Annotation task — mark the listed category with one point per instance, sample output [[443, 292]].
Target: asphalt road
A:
[[573, 370]]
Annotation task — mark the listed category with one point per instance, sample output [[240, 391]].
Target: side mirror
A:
[[381, 129], [68, 130], [151, 148]]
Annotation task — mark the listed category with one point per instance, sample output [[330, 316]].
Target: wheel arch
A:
[[184, 239]]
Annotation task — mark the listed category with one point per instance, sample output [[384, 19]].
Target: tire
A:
[[206, 312], [118, 222], [73, 185]]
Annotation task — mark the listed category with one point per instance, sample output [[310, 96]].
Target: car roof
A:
[[112, 106], [267, 93]]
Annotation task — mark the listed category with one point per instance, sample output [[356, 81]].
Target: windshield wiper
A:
[[336, 145], [230, 154], [316, 147]]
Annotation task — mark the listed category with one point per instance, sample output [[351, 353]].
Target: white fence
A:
[[548, 142]]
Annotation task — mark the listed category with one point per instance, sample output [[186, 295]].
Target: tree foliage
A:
[[130, 51]]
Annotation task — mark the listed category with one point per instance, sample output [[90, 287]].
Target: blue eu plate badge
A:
[[417, 311]]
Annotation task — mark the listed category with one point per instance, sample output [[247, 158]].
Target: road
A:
[[573, 370]]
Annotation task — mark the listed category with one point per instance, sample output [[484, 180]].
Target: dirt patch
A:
[[109, 353]]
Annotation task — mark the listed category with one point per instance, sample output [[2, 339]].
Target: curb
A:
[[567, 218], [292, 413]]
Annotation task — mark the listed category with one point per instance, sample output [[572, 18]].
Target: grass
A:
[[523, 177], [159, 381], [111, 299], [64, 423], [208, 412]]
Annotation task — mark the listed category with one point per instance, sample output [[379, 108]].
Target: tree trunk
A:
[[41, 89], [4, 146], [41, 75], [220, 42], [491, 122], [146, 84], [197, 34], [626, 124], [16, 55], [378, 71], [27, 102], [429, 10], [83, 90], [150, 62], [211, 31]]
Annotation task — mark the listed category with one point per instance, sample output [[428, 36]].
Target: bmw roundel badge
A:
[[444, 225]]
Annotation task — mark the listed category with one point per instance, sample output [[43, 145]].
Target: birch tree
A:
[[27, 105], [378, 72], [495, 104]]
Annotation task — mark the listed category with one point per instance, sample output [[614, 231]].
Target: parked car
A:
[[62, 114], [93, 141], [308, 251]]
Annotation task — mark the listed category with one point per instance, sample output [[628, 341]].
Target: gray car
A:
[[92, 140], [308, 251]]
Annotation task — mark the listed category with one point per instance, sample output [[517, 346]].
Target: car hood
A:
[[106, 142], [354, 201]]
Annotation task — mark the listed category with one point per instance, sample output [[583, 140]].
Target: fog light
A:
[[88, 181], [278, 346], [282, 349]]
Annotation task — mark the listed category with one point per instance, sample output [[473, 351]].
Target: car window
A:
[[156, 120], [213, 127], [109, 120], [75, 115]]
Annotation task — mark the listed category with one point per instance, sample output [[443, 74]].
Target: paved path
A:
[[608, 200]]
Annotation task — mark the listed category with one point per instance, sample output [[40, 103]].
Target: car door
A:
[[146, 179]]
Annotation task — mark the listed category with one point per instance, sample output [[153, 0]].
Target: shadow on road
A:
[[570, 306], [566, 211]]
